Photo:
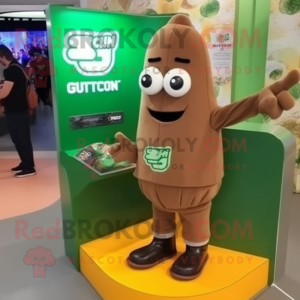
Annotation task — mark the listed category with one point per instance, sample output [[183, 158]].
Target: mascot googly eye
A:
[[177, 82], [151, 81]]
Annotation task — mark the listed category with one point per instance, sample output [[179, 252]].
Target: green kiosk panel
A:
[[98, 57]]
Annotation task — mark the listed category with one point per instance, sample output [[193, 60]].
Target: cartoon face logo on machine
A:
[[91, 53], [176, 83]]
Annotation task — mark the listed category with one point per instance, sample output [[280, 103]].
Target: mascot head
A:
[[176, 82]]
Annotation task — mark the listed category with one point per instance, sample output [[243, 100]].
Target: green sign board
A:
[[98, 58]]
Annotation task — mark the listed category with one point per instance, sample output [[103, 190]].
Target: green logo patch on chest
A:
[[158, 158]]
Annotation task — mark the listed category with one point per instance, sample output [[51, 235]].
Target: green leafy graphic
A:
[[149, 12], [289, 7], [210, 8], [295, 91], [276, 74]]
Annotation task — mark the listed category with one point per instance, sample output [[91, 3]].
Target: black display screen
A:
[[80, 122]]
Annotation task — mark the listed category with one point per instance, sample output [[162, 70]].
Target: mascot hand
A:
[[123, 150], [276, 98]]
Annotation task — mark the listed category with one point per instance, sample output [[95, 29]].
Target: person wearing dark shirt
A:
[[40, 68], [13, 97]]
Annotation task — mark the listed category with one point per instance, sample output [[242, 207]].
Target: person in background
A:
[[40, 69], [13, 97], [24, 58], [49, 86], [31, 56], [1, 107]]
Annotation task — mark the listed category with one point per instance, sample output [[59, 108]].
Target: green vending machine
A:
[[97, 58]]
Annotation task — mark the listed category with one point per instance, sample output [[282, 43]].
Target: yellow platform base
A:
[[228, 275]]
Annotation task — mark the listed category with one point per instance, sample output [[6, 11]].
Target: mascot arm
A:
[[124, 149], [234, 113], [272, 101]]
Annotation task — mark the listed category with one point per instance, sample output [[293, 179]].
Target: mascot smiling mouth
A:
[[166, 116]]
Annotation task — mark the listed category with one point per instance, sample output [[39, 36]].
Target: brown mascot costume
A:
[[179, 129]]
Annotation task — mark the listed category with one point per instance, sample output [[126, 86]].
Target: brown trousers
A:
[[192, 204]]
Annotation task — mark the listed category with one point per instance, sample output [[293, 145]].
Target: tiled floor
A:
[[17, 280], [16, 199], [21, 196]]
